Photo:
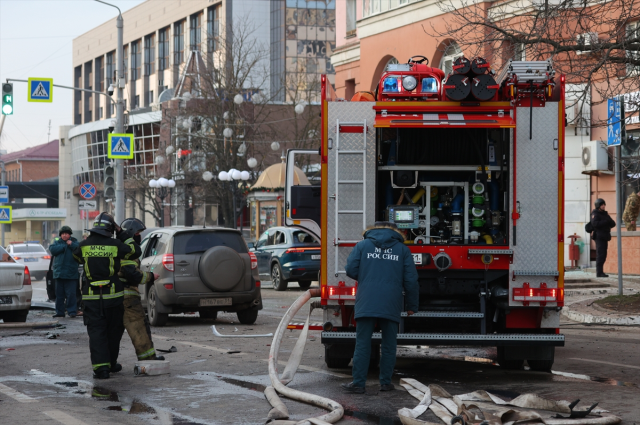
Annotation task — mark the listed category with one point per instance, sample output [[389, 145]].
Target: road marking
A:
[[195, 344], [63, 417], [609, 363], [22, 398], [220, 350]]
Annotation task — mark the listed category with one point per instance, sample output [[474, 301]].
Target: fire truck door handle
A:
[[518, 208], [555, 144], [332, 196]]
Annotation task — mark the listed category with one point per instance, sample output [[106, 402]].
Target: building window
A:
[[213, 27], [195, 31], [371, 7], [100, 66], [351, 18], [163, 49], [136, 102], [520, 53], [125, 104], [178, 42], [126, 62], [108, 78], [150, 96], [100, 117], [112, 108], [136, 60], [633, 33], [150, 54], [451, 53], [67, 194]]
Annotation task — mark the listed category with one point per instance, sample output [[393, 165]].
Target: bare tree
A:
[[595, 44]]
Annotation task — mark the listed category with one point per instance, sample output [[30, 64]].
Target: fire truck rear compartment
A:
[[444, 186]]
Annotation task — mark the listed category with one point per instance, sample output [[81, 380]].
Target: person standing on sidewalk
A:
[[65, 273], [384, 268], [135, 319], [602, 224]]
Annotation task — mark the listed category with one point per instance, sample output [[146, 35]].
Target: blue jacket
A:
[[383, 267], [64, 265]]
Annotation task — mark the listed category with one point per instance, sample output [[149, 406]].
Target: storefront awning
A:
[[477, 120]]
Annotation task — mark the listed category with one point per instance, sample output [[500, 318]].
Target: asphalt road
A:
[[220, 381]]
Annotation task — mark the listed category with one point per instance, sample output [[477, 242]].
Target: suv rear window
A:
[[28, 248], [196, 242]]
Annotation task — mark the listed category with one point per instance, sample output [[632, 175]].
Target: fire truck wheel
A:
[[338, 356], [304, 284], [540, 365], [511, 364], [279, 283]]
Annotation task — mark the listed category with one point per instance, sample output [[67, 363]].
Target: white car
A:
[[15, 289], [32, 255]]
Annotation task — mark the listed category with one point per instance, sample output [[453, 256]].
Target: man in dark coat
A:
[[65, 273], [384, 268], [602, 224]]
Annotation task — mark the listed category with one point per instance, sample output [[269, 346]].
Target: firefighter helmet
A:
[[133, 225], [104, 225]]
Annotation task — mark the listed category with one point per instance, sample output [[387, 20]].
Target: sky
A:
[[35, 41]]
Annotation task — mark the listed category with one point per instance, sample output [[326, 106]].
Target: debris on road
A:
[[152, 367], [173, 349], [466, 408], [218, 334], [33, 325]]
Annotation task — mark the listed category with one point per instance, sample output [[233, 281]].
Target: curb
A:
[[604, 320]]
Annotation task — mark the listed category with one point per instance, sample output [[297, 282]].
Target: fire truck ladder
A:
[[350, 127]]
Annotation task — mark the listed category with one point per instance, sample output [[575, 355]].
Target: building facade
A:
[[32, 164]]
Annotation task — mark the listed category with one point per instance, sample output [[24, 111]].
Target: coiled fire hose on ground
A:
[[279, 413]]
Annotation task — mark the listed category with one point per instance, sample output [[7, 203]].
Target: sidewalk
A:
[[582, 288]]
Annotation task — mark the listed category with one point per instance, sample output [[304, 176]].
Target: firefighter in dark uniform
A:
[[102, 291], [602, 224], [135, 319]]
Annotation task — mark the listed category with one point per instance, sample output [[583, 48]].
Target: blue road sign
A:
[[5, 215], [40, 90], [614, 123], [87, 191], [4, 194], [120, 146]]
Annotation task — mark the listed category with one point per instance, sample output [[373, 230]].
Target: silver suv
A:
[[204, 270]]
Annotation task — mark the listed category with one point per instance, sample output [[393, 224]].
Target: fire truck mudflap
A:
[[478, 189]]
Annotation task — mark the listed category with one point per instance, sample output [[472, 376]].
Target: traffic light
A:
[[109, 182], [7, 99]]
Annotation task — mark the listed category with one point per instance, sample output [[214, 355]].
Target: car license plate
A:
[[30, 260], [6, 300], [315, 257], [417, 259], [214, 301]]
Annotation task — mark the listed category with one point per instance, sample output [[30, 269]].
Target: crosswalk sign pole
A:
[[3, 176], [120, 201]]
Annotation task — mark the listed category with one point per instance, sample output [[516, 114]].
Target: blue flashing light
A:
[[391, 85], [429, 85]]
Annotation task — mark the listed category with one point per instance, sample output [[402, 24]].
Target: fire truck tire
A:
[[511, 364], [279, 283], [540, 365], [304, 284], [338, 356]]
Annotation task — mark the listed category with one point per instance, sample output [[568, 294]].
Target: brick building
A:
[[32, 164]]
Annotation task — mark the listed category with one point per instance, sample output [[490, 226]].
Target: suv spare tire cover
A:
[[221, 268]]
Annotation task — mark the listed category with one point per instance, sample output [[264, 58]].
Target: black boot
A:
[[101, 374], [116, 368]]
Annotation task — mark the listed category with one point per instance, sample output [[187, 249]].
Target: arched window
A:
[[452, 53]]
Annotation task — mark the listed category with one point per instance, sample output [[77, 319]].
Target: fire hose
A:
[[279, 413]]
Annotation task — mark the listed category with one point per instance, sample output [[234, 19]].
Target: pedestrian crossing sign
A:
[[120, 146], [5, 215], [40, 90]]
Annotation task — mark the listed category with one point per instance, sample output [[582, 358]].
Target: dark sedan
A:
[[288, 254]]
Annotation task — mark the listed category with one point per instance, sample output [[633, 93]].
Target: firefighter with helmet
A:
[[103, 291], [135, 319]]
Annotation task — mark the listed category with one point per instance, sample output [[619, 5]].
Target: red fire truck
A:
[[470, 167]]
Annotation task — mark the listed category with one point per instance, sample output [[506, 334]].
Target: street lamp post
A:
[[161, 192], [119, 128], [232, 176]]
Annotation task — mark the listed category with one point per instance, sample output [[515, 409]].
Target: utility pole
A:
[[619, 207], [119, 128]]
